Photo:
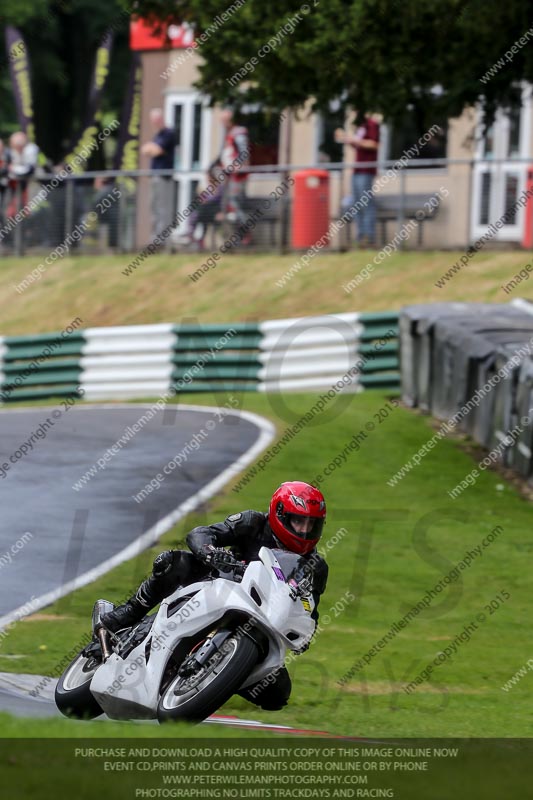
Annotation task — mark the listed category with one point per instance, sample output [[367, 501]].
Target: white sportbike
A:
[[207, 641]]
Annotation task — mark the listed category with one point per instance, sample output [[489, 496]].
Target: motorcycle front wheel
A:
[[198, 696], [73, 696]]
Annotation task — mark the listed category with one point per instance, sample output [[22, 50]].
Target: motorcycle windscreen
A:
[[288, 562]]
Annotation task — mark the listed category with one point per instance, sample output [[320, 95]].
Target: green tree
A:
[[379, 55], [62, 37]]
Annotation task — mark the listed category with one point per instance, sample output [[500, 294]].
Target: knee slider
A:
[[273, 704], [163, 563]]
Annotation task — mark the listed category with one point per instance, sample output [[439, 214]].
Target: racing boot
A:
[[129, 613], [133, 610], [149, 594]]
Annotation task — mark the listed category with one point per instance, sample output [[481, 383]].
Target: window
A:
[[328, 150], [263, 130], [196, 135], [513, 143], [410, 130], [178, 116]]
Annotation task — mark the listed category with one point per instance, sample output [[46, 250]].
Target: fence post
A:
[[284, 213], [401, 207], [470, 201], [343, 233], [19, 240], [284, 217], [69, 206], [121, 219]]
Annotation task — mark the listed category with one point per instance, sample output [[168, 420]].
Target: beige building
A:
[[470, 195]]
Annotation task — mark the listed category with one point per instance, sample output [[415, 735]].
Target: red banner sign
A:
[[148, 34]]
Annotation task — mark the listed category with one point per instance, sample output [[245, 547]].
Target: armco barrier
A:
[[142, 361], [474, 361]]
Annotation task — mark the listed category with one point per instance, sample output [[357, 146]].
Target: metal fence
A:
[[440, 203]]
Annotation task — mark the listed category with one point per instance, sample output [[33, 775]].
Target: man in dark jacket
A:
[[161, 152], [294, 522]]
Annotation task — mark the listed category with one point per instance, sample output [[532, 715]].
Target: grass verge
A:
[[242, 286], [398, 543]]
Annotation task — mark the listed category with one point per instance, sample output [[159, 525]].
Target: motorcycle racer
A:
[[294, 522]]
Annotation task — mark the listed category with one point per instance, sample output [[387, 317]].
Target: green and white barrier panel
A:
[[143, 361], [44, 365], [127, 362], [315, 352]]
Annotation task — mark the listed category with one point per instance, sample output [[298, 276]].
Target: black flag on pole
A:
[[19, 68]]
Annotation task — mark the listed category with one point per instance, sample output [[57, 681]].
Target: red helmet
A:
[[296, 515]]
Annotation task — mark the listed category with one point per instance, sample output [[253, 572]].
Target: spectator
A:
[[234, 156], [23, 157], [4, 176], [161, 151], [365, 141], [206, 212], [225, 173]]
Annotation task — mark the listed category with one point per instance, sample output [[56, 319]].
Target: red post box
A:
[[527, 239], [310, 209]]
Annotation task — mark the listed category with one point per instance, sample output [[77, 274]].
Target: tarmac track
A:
[[54, 538]]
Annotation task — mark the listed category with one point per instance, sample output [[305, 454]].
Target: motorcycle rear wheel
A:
[[193, 699], [73, 696]]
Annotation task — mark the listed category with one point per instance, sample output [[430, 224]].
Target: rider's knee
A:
[[273, 703], [163, 563]]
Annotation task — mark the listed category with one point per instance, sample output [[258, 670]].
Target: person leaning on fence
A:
[[365, 141], [4, 176], [23, 157], [161, 151]]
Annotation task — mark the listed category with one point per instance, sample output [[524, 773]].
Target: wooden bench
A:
[[422, 207], [269, 218], [415, 206]]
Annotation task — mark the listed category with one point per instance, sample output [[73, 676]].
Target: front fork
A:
[[100, 608], [199, 658], [214, 644], [103, 638]]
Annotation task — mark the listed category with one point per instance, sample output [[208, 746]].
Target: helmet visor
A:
[[305, 527]]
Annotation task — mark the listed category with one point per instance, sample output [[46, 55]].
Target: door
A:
[[187, 113], [499, 176]]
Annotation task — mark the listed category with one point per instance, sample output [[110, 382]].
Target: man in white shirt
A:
[[23, 157]]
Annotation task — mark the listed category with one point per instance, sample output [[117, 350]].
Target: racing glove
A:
[[218, 557], [299, 588]]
